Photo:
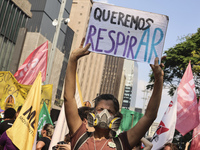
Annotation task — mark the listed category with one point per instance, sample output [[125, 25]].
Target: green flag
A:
[[130, 118], [44, 118]]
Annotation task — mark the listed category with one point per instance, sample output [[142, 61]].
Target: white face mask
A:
[[104, 120]]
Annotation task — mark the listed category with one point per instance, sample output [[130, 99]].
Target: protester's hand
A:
[[81, 51], [157, 69], [63, 147]]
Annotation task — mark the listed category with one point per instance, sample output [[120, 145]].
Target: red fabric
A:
[[36, 62], [89, 144], [196, 136], [187, 108]]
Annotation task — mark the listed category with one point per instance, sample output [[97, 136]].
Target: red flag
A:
[[196, 136], [187, 108], [35, 62]]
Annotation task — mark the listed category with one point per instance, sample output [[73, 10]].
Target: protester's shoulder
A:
[[82, 129]]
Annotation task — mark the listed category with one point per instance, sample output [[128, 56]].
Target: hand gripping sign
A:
[[127, 33]]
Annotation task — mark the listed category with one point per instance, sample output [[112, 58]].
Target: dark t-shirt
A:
[[5, 125], [46, 141]]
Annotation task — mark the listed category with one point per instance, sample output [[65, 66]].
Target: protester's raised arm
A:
[[71, 111], [138, 131]]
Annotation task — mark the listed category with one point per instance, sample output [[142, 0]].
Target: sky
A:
[[184, 19]]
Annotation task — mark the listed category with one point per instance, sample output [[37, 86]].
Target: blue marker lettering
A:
[[143, 43], [154, 44]]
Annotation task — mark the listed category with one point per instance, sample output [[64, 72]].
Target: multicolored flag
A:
[[166, 128], [36, 62], [196, 135], [187, 108], [24, 129], [44, 118]]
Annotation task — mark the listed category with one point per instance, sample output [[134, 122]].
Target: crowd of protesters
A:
[[94, 128]]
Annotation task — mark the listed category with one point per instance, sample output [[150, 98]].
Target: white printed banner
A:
[[127, 33]]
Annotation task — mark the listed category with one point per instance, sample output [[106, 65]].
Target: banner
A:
[[24, 129], [44, 118], [36, 62], [165, 131], [195, 144], [187, 107], [129, 120], [127, 33], [13, 94]]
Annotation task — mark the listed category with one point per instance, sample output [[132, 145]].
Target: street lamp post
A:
[[55, 40]]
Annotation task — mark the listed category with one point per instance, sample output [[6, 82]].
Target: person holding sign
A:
[[106, 118]]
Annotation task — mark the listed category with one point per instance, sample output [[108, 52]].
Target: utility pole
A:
[[55, 40]]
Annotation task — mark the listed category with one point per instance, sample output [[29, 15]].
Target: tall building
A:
[[111, 78], [97, 73], [44, 12], [27, 24], [130, 92], [14, 15]]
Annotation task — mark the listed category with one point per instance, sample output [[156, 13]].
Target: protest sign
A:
[[127, 33], [13, 94]]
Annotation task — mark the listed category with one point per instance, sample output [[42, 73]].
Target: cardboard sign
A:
[[127, 33]]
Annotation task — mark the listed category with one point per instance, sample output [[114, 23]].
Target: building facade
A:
[[44, 12], [27, 24], [14, 15]]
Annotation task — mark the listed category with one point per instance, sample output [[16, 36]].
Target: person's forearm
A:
[[70, 79], [155, 99], [71, 110]]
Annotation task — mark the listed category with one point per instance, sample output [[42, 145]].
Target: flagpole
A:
[[194, 137], [55, 40]]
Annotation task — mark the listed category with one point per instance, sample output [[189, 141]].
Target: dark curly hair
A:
[[107, 97]]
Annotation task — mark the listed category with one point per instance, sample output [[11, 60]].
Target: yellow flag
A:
[[24, 129], [13, 94]]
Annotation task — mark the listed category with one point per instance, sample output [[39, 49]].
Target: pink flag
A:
[[166, 128], [196, 136], [35, 62], [187, 108]]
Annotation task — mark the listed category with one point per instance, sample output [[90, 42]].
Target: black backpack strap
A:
[[82, 140], [118, 143]]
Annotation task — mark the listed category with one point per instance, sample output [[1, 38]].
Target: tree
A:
[[176, 63]]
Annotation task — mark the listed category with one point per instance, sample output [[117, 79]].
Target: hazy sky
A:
[[184, 19]]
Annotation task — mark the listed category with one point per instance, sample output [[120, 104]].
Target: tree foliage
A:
[[177, 61]]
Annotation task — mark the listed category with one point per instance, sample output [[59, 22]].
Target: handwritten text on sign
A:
[[126, 33]]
